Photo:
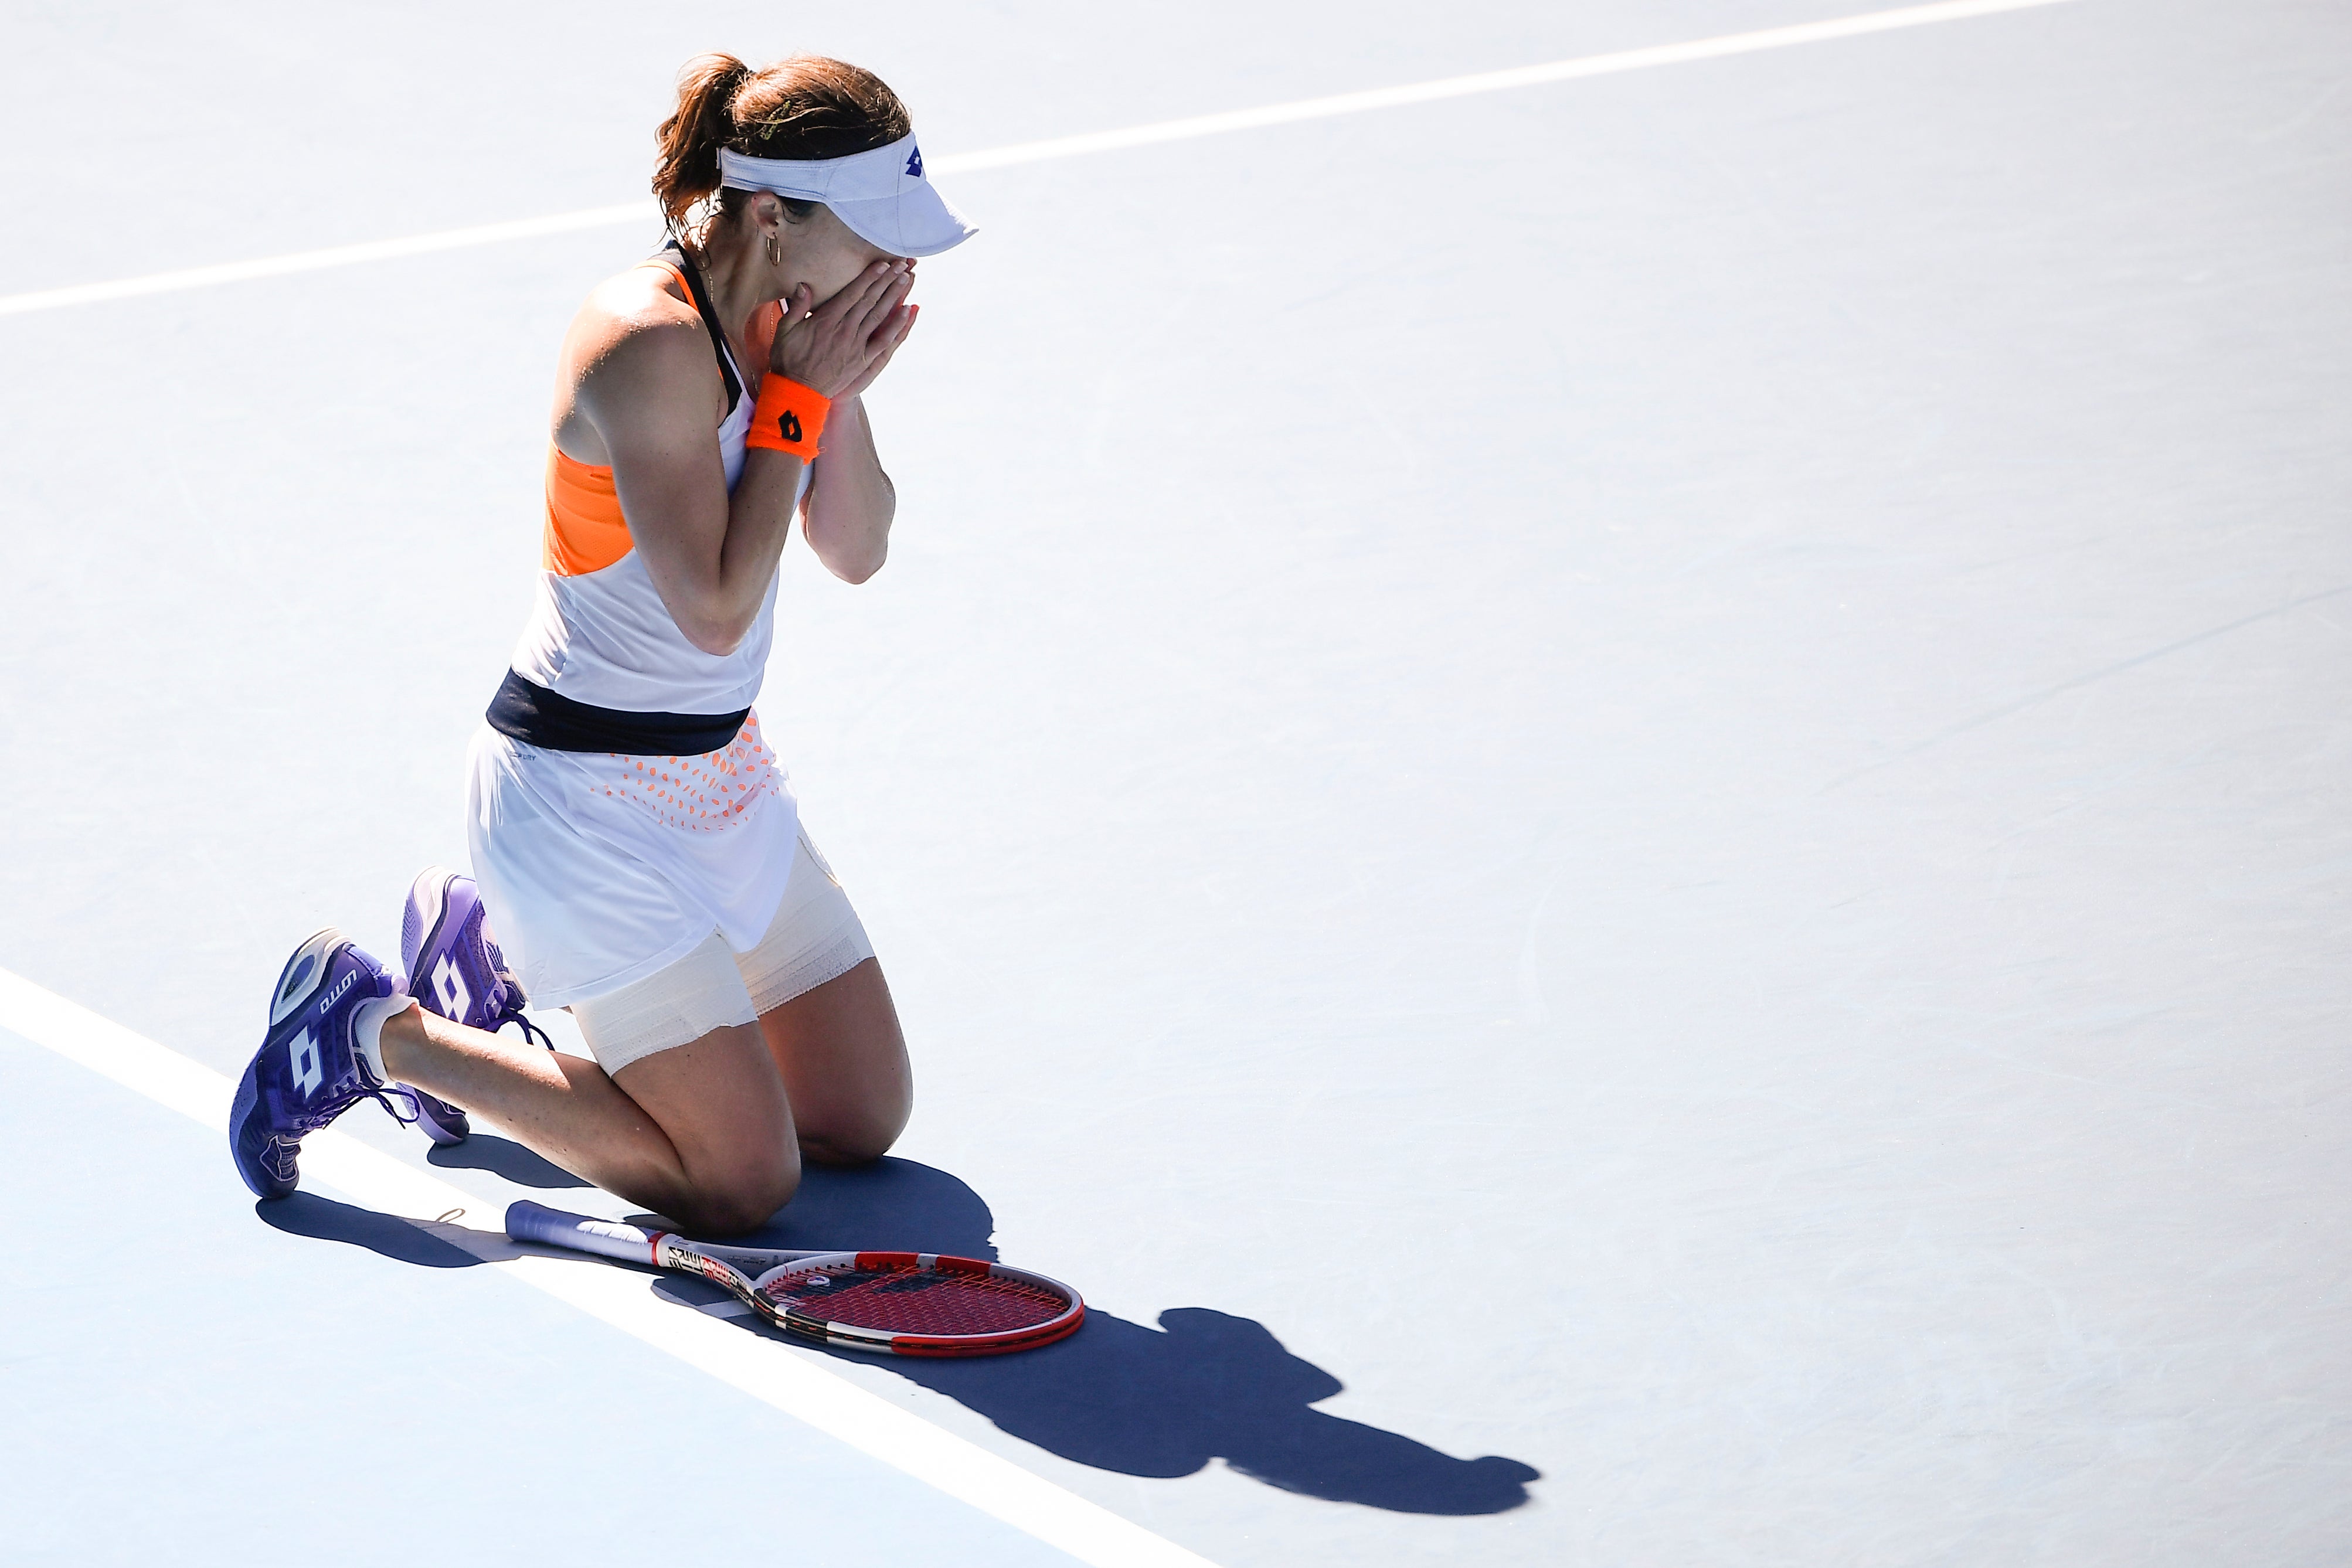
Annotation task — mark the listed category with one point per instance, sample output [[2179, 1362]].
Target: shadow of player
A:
[[1143, 1400], [324, 1219], [1140, 1400], [500, 1156]]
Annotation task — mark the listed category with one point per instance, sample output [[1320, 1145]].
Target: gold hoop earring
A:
[[774, 257]]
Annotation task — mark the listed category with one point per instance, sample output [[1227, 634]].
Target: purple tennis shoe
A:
[[459, 973], [310, 1068]]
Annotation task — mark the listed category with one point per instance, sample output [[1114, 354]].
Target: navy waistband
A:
[[537, 716]]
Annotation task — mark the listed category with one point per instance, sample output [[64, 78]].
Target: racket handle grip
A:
[[528, 1221]]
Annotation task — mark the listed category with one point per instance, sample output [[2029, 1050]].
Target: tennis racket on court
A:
[[901, 1303]]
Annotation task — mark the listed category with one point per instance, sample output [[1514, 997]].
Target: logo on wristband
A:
[[789, 417]]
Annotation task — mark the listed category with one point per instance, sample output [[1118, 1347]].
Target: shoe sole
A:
[[304, 972], [248, 1090], [298, 983], [428, 906]]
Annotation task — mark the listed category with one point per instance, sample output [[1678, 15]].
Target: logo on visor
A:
[[915, 163]]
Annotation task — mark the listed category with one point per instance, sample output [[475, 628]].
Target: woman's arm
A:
[[709, 554], [851, 500], [647, 396]]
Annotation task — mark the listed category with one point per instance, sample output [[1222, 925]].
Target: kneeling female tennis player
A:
[[637, 849]]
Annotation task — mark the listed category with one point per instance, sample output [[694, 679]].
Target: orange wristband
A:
[[788, 418]]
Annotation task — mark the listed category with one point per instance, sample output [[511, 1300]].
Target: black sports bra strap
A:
[[676, 255]]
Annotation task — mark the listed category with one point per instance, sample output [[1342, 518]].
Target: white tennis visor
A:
[[880, 193]]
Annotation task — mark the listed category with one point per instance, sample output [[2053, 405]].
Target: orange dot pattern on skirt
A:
[[702, 794]]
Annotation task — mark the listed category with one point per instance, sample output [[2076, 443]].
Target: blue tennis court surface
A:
[[183, 1379], [1619, 803]]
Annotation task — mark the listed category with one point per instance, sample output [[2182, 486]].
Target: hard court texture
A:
[[1621, 806]]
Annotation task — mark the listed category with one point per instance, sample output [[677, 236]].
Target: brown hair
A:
[[804, 106]]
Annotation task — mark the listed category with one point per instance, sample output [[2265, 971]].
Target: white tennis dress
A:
[[601, 868]]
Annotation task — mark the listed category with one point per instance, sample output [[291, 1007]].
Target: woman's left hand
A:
[[882, 345]]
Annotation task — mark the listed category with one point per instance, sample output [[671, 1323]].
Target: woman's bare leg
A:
[[702, 1133], [842, 1059]]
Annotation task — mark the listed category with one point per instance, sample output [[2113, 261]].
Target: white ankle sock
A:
[[367, 1030]]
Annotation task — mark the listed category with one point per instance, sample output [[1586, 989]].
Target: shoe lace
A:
[[511, 1001], [391, 1096], [530, 1029]]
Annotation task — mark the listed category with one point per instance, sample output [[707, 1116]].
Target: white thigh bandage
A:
[[670, 1007], [815, 937]]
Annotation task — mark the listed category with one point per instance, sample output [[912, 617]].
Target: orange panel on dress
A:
[[585, 530]]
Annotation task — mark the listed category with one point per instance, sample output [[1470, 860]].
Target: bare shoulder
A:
[[635, 353], [635, 319]]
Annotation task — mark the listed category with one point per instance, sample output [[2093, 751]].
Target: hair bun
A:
[[804, 106]]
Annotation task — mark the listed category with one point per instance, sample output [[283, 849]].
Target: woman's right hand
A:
[[830, 348]]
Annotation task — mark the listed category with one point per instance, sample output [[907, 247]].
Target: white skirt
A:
[[598, 870]]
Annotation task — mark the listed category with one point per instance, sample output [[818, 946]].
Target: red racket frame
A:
[[741, 1271]]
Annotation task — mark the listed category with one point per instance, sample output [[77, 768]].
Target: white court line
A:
[[800, 1386], [1491, 82], [334, 256], [1058, 147]]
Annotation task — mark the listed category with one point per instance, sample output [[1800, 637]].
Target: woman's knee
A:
[[743, 1197], [858, 1137]]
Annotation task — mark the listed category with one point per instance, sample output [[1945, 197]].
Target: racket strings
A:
[[907, 1299]]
